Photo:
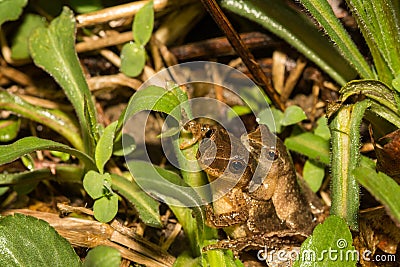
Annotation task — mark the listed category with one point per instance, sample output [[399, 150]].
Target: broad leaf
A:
[[150, 98], [143, 24], [313, 174], [105, 208], [27, 241], [30, 144], [19, 48], [104, 147], [95, 183], [146, 206], [311, 145], [53, 49], [328, 241], [11, 9], [381, 186], [133, 58], [102, 256], [293, 115]]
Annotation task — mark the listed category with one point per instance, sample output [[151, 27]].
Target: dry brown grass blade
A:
[[242, 50]]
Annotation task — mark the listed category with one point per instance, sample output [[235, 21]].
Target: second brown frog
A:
[[264, 205]]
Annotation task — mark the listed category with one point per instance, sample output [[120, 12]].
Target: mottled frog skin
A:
[[266, 205]]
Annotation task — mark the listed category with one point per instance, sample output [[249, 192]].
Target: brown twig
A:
[[242, 50]]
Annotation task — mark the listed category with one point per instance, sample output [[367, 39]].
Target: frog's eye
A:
[[237, 166], [272, 154], [209, 133]]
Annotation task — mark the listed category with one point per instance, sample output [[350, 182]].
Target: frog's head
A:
[[222, 156], [272, 158]]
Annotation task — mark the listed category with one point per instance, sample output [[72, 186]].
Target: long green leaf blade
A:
[[30, 144], [147, 207], [54, 119], [69, 174], [53, 50], [322, 12], [381, 186], [297, 31]]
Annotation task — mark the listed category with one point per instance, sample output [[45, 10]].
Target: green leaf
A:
[[329, 245], [322, 11], [313, 146], [103, 256], [133, 58], [85, 6], [96, 184], [9, 128], [104, 147], [19, 48], [322, 128], [143, 24], [151, 98], [381, 186], [54, 119], [298, 31], [293, 115], [372, 89], [124, 145], [61, 155], [11, 9], [69, 174], [236, 111], [146, 206], [313, 174], [105, 208], [53, 49], [272, 118], [30, 144], [27, 241], [28, 162]]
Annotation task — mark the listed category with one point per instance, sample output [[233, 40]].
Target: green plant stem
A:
[[322, 12], [345, 157]]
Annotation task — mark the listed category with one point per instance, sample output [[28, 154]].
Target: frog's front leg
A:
[[228, 210]]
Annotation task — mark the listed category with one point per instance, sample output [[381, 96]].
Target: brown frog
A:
[[266, 206]]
